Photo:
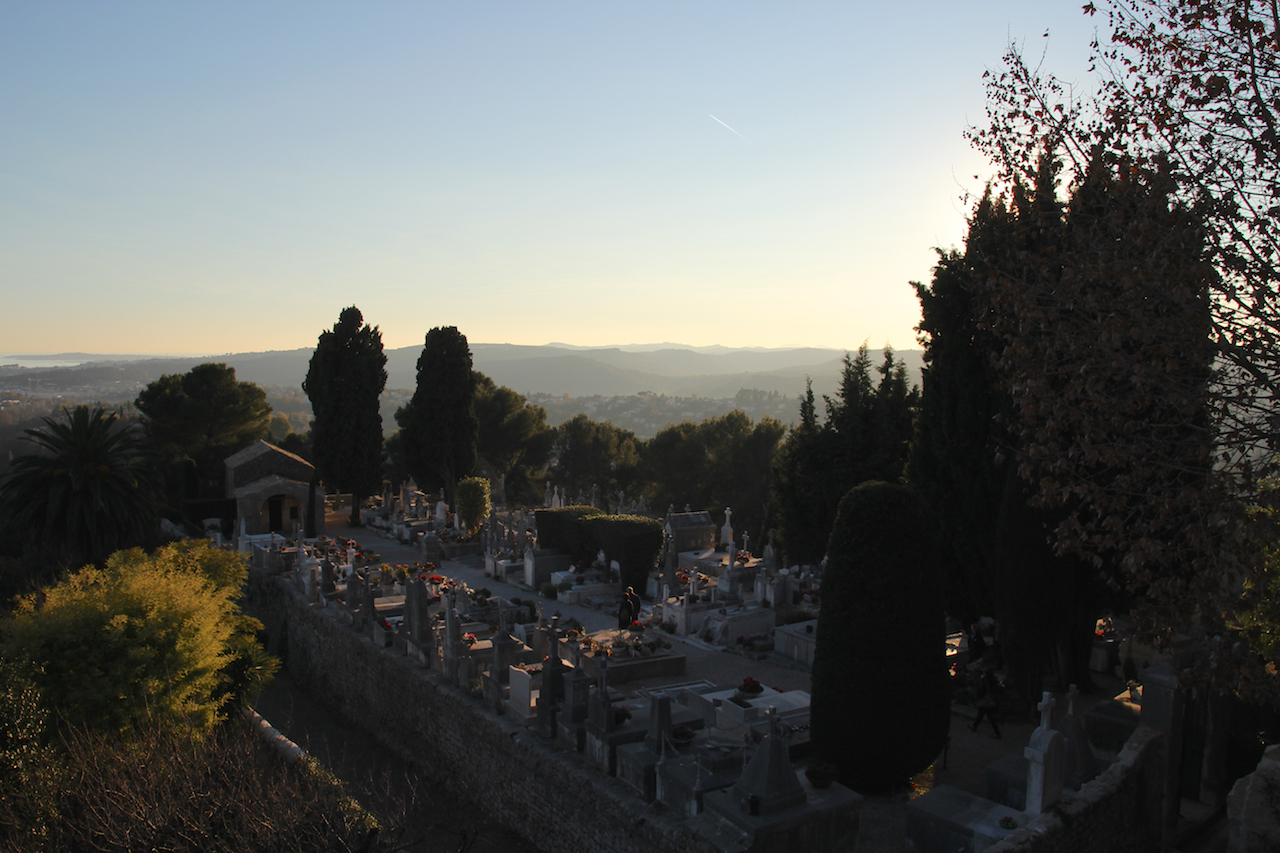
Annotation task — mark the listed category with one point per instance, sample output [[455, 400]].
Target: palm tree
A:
[[89, 490]]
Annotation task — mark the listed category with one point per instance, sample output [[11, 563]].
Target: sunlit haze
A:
[[216, 178]]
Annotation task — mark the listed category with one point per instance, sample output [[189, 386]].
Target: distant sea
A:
[[63, 359], [36, 361]]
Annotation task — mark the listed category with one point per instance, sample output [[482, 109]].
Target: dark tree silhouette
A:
[[89, 489], [881, 715], [345, 378], [438, 427], [198, 419]]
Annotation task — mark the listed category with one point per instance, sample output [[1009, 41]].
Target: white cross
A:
[[1046, 708]]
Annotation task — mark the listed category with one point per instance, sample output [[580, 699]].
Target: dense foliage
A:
[[90, 488], [472, 501], [590, 454], [633, 541], [513, 438], [1180, 158], [438, 426], [199, 418], [725, 461], [864, 437], [563, 529], [344, 380], [880, 713], [148, 637]]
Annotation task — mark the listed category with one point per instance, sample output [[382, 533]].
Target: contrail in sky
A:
[[729, 127]]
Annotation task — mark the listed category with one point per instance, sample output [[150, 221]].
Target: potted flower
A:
[[682, 735], [751, 687]]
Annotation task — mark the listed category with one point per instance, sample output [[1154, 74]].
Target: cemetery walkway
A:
[[882, 818]]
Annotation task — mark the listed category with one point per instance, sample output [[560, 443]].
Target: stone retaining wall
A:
[[1118, 811], [531, 786]]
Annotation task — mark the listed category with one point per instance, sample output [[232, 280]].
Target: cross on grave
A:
[[1046, 762], [1046, 709]]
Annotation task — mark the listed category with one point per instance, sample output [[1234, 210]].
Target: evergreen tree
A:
[[438, 426], [881, 717], [593, 453], [345, 379], [513, 437], [725, 461], [199, 418], [953, 455], [865, 437], [797, 486]]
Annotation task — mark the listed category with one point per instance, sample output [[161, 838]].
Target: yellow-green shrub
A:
[[148, 636]]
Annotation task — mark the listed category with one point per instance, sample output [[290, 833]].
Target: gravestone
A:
[[1081, 764], [1046, 761], [768, 783]]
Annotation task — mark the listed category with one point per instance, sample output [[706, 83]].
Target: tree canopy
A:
[[864, 437], [1175, 170], [199, 418], [345, 378], [591, 453], [725, 461], [438, 426], [513, 437]]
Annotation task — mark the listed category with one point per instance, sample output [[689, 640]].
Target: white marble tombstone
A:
[[1046, 761]]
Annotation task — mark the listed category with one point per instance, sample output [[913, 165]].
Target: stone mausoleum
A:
[[273, 489]]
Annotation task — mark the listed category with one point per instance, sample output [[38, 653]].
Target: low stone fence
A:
[[531, 786], [1118, 811]]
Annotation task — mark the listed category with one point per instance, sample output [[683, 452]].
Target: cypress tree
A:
[[345, 378]]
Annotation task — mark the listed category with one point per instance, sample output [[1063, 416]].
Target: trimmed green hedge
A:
[[633, 540], [561, 528], [880, 708], [581, 531]]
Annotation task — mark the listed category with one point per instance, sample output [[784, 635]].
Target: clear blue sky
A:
[[208, 178]]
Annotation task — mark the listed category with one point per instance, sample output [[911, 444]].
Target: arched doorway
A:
[[279, 513]]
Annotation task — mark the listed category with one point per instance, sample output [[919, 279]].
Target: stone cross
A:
[[1046, 762], [1045, 708], [726, 532]]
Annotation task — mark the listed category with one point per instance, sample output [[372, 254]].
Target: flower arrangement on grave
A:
[[636, 626], [572, 623], [621, 714], [402, 573], [435, 580], [744, 557], [469, 639], [751, 687], [682, 735], [481, 595]]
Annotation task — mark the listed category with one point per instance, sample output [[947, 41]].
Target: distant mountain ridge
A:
[[670, 369]]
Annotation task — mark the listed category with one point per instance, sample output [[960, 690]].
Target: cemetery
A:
[[531, 708]]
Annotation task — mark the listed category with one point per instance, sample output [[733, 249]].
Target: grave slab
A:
[[949, 820]]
